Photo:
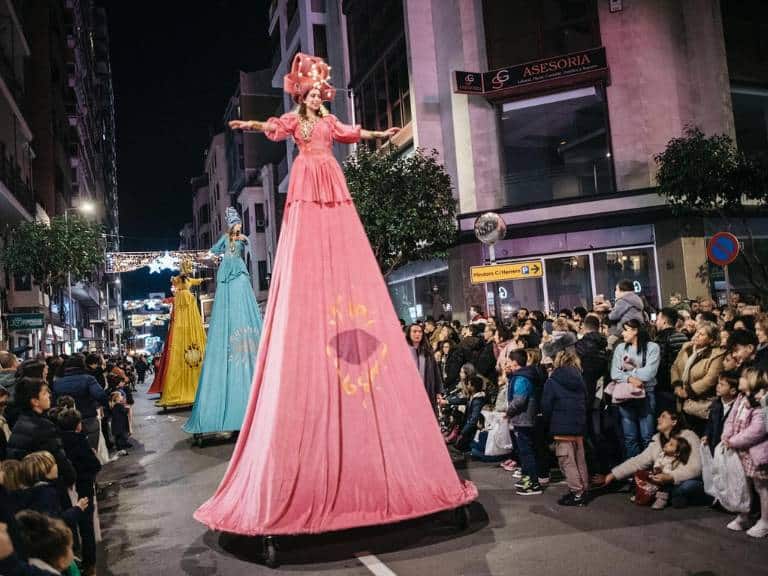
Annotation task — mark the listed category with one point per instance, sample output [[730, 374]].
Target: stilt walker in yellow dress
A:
[[187, 342]]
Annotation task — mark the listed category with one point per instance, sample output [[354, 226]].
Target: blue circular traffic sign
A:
[[723, 248]]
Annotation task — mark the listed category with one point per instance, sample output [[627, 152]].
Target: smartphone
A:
[[653, 317]]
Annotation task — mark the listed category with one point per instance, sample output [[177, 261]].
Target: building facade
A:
[[62, 79], [550, 113]]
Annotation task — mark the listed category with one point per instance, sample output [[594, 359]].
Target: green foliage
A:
[[708, 175], [405, 203], [47, 253]]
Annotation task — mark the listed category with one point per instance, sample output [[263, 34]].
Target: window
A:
[[750, 114], [569, 282], [517, 32], [246, 222], [260, 222], [556, 146], [382, 99], [263, 281], [22, 282], [320, 40], [291, 7], [203, 215], [635, 264], [373, 26]]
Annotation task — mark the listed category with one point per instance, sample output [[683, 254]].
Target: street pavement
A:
[[147, 527]]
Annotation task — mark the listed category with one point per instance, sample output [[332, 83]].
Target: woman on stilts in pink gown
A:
[[339, 432]]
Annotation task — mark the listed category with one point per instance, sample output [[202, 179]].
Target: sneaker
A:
[[529, 488], [508, 463], [513, 467], [759, 530], [740, 523], [522, 481], [517, 474], [544, 481], [571, 499]]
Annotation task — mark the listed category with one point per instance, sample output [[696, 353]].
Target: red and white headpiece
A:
[[308, 72]]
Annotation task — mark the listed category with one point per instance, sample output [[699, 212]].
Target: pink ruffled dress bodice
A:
[[316, 175]]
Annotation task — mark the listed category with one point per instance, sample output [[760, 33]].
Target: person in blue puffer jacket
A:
[[564, 406], [86, 391], [521, 413]]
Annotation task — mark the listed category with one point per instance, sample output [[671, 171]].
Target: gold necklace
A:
[[306, 126]]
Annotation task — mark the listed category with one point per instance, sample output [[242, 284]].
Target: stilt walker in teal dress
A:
[[233, 340]]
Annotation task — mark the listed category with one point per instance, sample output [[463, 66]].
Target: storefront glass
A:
[[575, 279], [636, 264], [403, 299], [431, 293], [516, 294], [569, 283]]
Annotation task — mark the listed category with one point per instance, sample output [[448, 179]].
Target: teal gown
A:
[[233, 341]]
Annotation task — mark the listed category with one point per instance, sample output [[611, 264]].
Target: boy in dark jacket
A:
[[564, 407], [474, 409], [521, 413], [34, 432], [87, 466], [727, 390]]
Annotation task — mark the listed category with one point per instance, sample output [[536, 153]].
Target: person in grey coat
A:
[[628, 306]]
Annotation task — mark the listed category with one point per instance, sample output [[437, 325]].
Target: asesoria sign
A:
[[531, 72]]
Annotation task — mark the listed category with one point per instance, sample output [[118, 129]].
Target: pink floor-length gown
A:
[[339, 431]]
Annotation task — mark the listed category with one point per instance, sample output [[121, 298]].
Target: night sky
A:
[[174, 66]]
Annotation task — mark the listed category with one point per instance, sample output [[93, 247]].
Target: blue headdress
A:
[[232, 217]]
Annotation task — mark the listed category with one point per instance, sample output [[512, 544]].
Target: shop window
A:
[[516, 294], [637, 265], [431, 294], [260, 220], [556, 147], [569, 282], [404, 301]]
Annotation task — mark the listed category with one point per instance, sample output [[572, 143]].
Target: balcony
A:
[[10, 175], [11, 78]]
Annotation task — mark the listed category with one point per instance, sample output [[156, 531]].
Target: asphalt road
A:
[[147, 527]]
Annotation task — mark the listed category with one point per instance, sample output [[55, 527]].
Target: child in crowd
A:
[[12, 472], [87, 466], [47, 540], [745, 432], [521, 413], [563, 405], [727, 390], [674, 453], [475, 405], [39, 473], [119, 420]]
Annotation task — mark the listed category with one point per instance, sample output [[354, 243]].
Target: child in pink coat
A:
[[745, 432]]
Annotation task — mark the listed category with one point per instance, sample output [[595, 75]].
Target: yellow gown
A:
[[187, 346]]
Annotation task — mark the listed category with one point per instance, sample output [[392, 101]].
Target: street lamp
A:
[[85, 207]]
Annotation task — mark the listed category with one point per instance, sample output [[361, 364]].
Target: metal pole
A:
[[727, 285], [495, 286], [70, 316], [106, 323]]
